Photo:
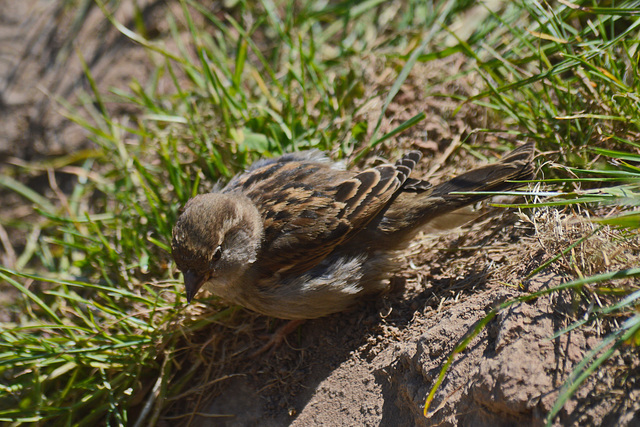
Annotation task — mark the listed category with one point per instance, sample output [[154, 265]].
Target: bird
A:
[[301, 237]]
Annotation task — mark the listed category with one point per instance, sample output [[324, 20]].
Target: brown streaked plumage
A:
[[297, 237]]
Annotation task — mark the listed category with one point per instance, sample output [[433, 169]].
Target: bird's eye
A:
[[217, 254]]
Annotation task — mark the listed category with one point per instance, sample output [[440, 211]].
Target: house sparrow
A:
[[299, 237]]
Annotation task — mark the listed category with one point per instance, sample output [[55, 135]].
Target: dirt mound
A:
[[375, 365]]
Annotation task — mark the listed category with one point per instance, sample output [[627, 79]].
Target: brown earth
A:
[[375, 364]]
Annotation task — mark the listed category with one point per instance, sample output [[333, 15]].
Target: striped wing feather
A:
[[310, 208]]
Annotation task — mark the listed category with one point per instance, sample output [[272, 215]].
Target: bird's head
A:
[[215, 239]]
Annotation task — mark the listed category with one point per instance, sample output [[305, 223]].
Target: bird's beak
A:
[[192, 283]]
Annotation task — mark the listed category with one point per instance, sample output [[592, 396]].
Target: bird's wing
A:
[[309, 207]]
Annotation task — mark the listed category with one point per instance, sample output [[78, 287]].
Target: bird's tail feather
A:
[[496, 177]]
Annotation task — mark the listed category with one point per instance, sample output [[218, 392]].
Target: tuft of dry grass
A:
[[600, 248]]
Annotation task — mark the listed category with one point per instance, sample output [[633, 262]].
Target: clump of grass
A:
[[568, 77], [97, 330]]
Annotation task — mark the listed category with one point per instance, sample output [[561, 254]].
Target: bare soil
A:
[[375, 364]]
